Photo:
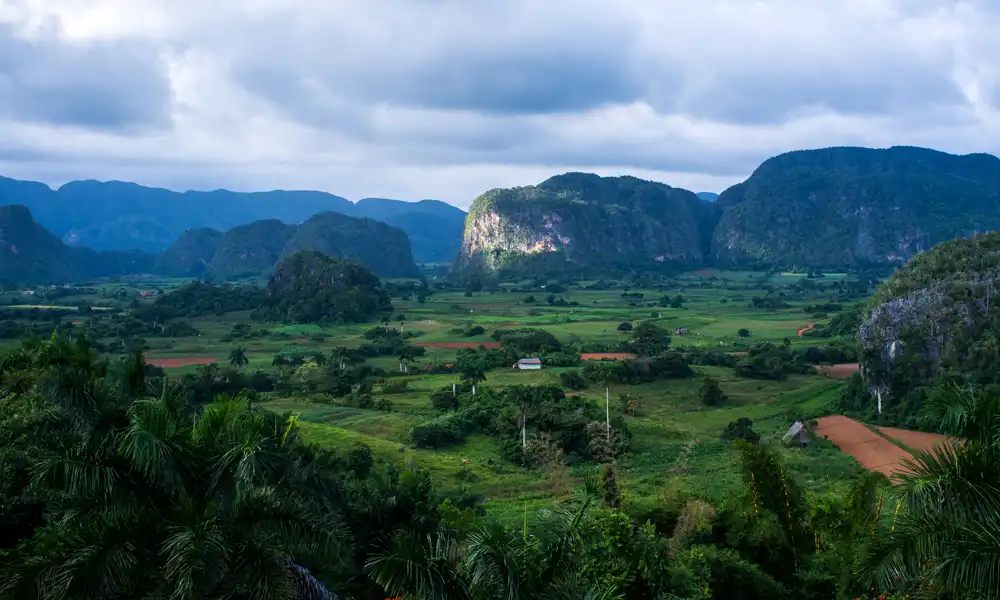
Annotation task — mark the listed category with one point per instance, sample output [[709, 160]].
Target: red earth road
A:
[[871, 450], [181, 361], [806, 328], [842, 371]]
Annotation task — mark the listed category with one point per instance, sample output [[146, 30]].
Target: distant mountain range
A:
[[833, 208], [117, 215], [708, 196], [30, 254]]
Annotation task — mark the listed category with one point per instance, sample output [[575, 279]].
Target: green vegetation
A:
[[890, 205], [406, 450], [933, 321]]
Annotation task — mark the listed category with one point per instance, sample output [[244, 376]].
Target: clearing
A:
[[871, 450]]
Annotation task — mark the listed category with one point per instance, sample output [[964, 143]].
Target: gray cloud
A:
[[450, 97], [103, 86]]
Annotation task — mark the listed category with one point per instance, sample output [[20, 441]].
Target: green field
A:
[[676, 441]]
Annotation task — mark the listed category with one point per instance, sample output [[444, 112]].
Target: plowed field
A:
[[871, 450]]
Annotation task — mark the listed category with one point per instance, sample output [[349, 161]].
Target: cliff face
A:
[[586, 222], [937, 318], [847, 207]]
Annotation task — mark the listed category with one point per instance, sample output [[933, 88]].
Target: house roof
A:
[[530, 361]]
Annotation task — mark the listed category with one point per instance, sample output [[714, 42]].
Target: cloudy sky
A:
[[447, 98]]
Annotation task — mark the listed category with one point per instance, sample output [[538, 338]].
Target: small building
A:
[[798, 432], [28, 293], [681, 331], [146, 294], [528, 364]]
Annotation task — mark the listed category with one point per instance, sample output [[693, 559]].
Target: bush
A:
[[710, 393], [743, 332], [741, 429], [626, 326], [440, 431], [572, 380]]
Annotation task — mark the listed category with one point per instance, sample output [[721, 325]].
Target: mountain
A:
[[845, 207], [934, 320], [116, 215], [253, 249], [708, 196], [586, 222], [30, 254], [435, 228]]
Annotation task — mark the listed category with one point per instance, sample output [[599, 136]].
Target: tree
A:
[[406, 354], [946, 534], [171, 508], [677, 302], [649, 339], [472, 369], [341, 356], [609, 485], [625, 327], [743, 332], [710, 393], [238, 358], [741, 429]]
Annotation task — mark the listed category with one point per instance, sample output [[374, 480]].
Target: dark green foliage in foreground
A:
[[114, 486], [710, 394]]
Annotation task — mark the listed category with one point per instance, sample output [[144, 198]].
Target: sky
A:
[[445, 99]]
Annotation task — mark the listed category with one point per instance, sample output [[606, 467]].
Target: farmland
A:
[[676, 442]]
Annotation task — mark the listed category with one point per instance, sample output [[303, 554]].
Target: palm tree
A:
[[341, 355], [945, 538], [152, 499], [496, 562], [238, 358], [405, 354]]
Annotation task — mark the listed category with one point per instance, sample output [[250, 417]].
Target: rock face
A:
[[255, 248], [588, 223], [840, 208], [935, 319]]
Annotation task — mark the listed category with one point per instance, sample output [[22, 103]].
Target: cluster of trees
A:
[[112, 485], [557, 426]]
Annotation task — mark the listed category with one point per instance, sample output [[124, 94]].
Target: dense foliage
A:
[[888, 204], [29, 254], [113, 486], [932, 321], [579, 219]]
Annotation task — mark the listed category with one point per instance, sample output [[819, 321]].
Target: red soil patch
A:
[[915, 440], [607, 356], [838, 371], [457, 345], [300, 340], [871, 450], [181, 361], [704, 272], [806, 328], [76, 323]]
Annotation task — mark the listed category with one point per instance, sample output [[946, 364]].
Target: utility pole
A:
[[607, 411]]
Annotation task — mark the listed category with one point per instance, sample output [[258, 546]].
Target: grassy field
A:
[[676, 441]]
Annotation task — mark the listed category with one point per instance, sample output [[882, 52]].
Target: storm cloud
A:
[[445, 99]]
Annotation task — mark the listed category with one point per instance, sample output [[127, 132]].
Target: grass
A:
[[676, 441]]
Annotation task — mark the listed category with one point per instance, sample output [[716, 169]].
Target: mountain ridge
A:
[[121, 215]]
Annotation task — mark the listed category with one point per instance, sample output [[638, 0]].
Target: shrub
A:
[[572, 380], [626, 326], [741, 429], [710, 393], [743, 332]]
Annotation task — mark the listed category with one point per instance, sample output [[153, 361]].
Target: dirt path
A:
[[181, 361], [458, 345], [914, 440], [842, 371], [806, 328], [871, 450]]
